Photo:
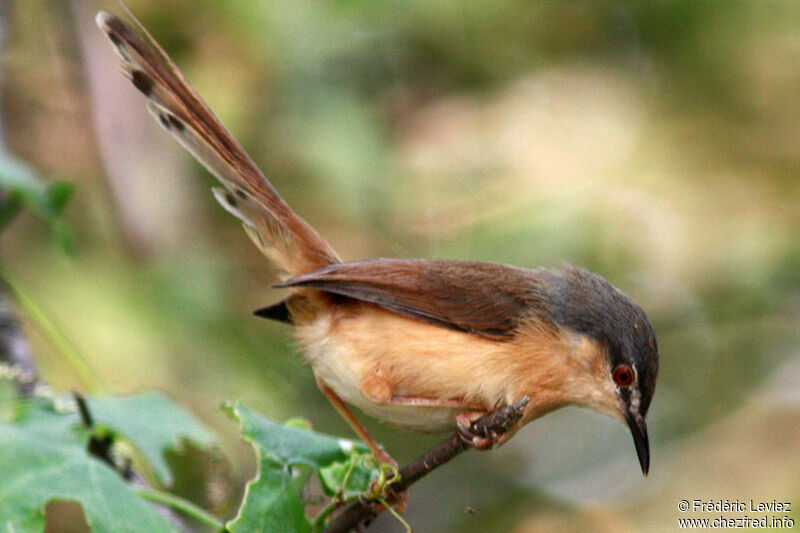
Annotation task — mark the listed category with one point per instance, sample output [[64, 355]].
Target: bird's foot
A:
[[464, 423]]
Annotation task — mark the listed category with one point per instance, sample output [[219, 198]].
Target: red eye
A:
[[623, 375]]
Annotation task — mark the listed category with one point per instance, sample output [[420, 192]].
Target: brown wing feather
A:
[[482, 298]]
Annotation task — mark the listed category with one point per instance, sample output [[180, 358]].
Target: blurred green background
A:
[[656, 143]]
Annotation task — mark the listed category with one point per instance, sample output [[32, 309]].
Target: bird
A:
[[424, 344]]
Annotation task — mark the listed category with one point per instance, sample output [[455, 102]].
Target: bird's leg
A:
[[355, 423], [397, 500]]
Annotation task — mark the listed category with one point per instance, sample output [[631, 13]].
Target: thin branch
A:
[[15, 352], [498, 423]]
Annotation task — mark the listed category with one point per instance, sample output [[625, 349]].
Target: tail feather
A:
[[284, 237]]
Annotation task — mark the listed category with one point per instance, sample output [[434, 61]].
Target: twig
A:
[[498, 422], [14, 349]]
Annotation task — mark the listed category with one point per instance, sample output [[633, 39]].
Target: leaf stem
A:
[[184, 506], [319, 521], [396, 515], [337, 501]]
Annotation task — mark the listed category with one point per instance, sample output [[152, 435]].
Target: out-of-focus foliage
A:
[[46, 458], [153, 425], [653, 142], [21, 187], [51, 454]]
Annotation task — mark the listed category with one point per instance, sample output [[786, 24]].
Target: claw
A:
[[464, 422]]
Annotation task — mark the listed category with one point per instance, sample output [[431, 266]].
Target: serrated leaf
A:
[[271, 503], [152, 423], [39, 465], [292, 445], [272, 500]]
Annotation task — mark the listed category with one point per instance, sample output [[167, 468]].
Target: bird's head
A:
[[619, 330]]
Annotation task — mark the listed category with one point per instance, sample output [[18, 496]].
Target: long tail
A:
[[284, 237]]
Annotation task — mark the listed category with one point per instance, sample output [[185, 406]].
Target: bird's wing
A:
[[485, 299]]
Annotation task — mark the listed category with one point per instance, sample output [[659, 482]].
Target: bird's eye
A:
[[623, 375]]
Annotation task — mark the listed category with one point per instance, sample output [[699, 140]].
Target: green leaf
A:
[[289, 444], [272, 500], [58, 194], [52, 418], [21, 186], [152, 423], [42, 459], [349, 479], [271, 503]]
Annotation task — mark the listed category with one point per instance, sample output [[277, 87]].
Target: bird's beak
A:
[[639, 431]]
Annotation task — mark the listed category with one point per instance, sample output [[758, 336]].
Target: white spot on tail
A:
[[229, 202]]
